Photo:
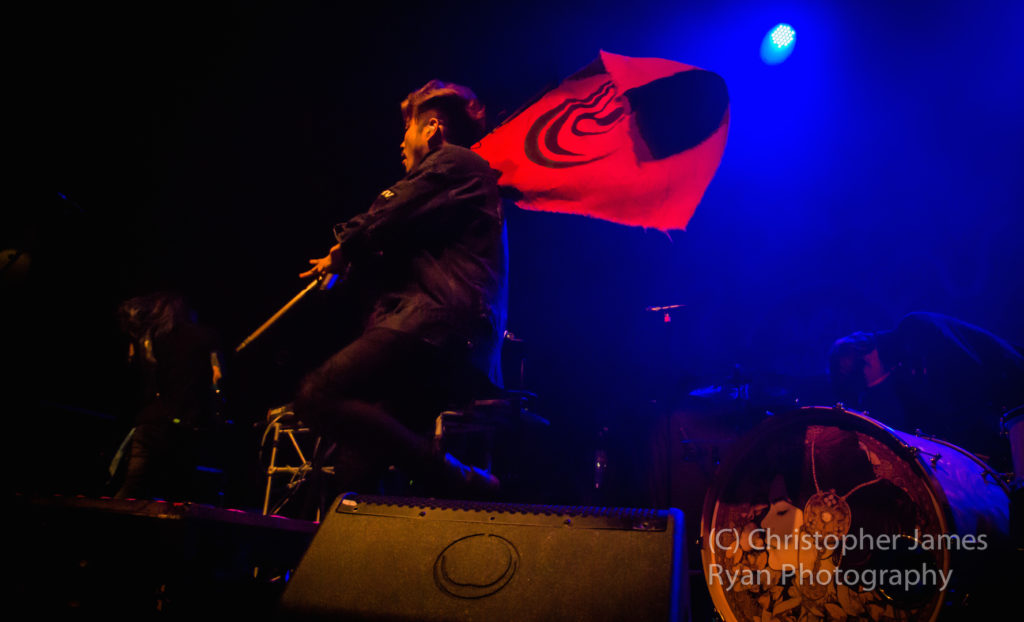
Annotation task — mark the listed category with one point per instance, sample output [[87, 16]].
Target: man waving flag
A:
[[634, 141]]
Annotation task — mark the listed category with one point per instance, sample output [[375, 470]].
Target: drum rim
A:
[[987, 468], [940, 501], [1010, 415]]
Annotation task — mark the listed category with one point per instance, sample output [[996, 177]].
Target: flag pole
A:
[[324, 280]]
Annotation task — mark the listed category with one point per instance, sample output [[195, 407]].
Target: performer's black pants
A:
[[376, 400]]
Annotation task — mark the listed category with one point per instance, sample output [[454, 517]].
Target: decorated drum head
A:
[[827, 514]]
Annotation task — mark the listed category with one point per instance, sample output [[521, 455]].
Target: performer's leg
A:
[[370, 439], [135, 475], [161, 463], [377, 399]]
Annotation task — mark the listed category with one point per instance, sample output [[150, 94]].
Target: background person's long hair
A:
[[145, 318]]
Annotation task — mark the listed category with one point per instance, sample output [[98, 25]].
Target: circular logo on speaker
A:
[[476, 566]]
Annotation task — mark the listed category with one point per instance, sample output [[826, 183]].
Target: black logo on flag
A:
[[602, 108]]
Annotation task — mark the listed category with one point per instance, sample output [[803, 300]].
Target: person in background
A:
[[178, 373], [933, 373]]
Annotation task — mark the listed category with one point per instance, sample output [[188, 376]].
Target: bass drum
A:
[[827, 514]]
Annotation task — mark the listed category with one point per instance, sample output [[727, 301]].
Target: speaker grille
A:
[[430, 560], [580, 517]]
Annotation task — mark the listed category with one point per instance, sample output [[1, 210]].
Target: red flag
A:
[[631, 140]]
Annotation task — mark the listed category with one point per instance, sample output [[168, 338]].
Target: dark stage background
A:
[[209, 147]]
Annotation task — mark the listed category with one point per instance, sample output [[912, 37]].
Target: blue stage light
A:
[[778, 44]]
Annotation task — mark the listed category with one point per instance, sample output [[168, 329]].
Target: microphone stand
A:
[[666, 402], [325, 281]]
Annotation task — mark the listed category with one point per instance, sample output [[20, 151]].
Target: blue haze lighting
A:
[[778, 44]]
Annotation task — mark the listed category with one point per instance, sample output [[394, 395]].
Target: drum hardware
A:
[[666, 311], [935, 439], [1011, 425], [998, 478], [1001, 479], [470, 433], [283, 423], [918, 432], [917, 451]]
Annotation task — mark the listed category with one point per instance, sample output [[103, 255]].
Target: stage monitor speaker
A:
[[425, 559]]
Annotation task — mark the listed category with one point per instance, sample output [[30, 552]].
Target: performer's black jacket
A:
[[432, 250]]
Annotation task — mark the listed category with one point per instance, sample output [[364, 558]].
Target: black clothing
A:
[[432, 253], [409, 378], [950, 379], [161, 463], [176, 397], [176, 388], [434, 246]]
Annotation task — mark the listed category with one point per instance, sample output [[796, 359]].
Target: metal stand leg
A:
[[300, 473], [276, 427]]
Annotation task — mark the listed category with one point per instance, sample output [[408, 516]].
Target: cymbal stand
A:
[[283, 424]]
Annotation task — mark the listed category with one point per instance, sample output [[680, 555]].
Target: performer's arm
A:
[[353, 235], [448, 192], [436, 201], [332, 263], [217, 373]]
